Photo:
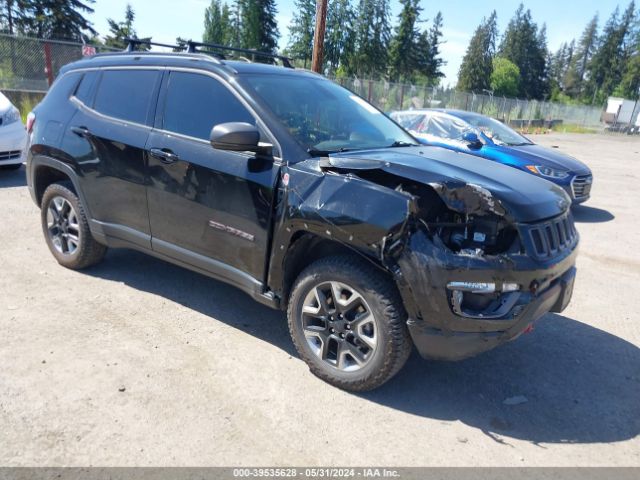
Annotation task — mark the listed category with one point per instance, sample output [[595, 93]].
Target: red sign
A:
[[88, 50]]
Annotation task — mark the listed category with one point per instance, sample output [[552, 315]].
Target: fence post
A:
[[369, 93], [401, 96], [48, 68]]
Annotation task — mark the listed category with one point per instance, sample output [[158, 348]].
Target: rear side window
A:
[[62, 89], [85, 89], [126, 94], [196, 103]]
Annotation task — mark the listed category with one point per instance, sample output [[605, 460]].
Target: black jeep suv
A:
[[306, 197]]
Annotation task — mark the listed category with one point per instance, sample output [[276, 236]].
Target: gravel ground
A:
[[138, 362]]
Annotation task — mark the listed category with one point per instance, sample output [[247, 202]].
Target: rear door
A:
[[107, 138], [207, 207]]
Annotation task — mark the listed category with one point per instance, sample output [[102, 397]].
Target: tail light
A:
[[31, 121]]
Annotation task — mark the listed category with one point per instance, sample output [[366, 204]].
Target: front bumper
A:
[[441, 333], [13, 139]]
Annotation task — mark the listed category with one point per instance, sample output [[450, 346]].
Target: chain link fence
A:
[[29, 65], [517, 112]]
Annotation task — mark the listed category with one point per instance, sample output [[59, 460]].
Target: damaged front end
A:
[[474, 268], [472, 275]]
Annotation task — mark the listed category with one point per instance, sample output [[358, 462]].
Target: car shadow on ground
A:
[[13, 178], [585, 214], [581, 384]]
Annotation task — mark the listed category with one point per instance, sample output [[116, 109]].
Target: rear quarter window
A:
[[61, 90], [84, 92], [127, 94]]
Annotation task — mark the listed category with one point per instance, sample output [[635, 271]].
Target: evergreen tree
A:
[[118, 31], [525, 46], [403, 51], [372, 38], [301, 30], [258, 26], [587, 45], [217, 24], [630, 85], [607, 65], [430, 61], [477, 63], [13, 16], [339, 40], [61, 19]]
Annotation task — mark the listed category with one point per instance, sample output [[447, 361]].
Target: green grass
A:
[[25, 105], [572, 128]]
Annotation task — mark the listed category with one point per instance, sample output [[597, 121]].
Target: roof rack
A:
[[132, 43], [191, 47]]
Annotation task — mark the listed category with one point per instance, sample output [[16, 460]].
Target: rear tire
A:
[[348, 323], [66, 228]]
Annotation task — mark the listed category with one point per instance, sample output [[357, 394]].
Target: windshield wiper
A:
[[322, 153], [401, 143]]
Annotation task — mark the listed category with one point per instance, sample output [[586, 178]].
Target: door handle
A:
[[81, 131], [165, 156]]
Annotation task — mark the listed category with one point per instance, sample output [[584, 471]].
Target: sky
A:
[[164, 20]]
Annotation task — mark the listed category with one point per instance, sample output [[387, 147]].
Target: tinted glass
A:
[[324, 117], [62, 89], [196, 103], [126, 94], [85, 89]]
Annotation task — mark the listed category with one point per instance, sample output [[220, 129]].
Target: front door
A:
[[207, 207]]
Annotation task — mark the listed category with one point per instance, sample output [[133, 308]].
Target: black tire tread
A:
[[399, 342], [91, 252]]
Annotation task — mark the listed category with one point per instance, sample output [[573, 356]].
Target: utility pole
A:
[[318, 38]]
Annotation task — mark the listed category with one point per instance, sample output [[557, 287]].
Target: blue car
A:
[[488, 138]]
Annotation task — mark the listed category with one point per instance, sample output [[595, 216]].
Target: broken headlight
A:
[[488, 233]]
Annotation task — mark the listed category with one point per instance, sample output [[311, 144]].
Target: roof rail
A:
[[192, 46]]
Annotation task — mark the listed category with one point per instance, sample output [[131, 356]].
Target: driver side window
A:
[[195, 103]]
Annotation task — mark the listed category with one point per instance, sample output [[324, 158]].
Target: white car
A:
[[13, 135]]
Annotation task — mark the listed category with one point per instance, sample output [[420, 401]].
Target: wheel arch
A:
[[306, 248], [45, 171]]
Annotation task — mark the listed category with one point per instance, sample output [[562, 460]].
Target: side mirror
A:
[[472, 140], [238, 137]]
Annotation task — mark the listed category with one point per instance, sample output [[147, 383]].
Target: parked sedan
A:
[[13, 136], [488, 138]]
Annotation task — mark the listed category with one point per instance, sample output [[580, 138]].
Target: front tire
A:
[[348, 323], [66, 228]]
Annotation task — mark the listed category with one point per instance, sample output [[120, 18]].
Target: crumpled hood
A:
[[524, 197], [550, 157]]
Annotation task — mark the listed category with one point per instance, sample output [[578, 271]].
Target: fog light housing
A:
[[482, 287], [472, 287]]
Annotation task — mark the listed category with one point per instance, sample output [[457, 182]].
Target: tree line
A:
[[586, 70], [359, 40], [363, 40]]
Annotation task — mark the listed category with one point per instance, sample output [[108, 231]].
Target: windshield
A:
[[324, 117], [496, 131]]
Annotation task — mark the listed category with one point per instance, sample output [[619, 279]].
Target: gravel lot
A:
[[138, 362]]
